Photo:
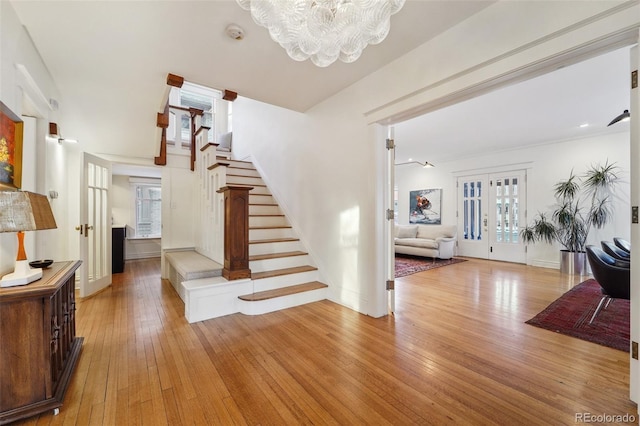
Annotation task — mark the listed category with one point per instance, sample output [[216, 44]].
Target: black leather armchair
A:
[[622, 244], [612, 250], [613, 275]]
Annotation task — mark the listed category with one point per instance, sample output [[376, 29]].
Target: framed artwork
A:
[[11, 128], [425, 206]]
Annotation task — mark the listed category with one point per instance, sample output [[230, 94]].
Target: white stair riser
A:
[[270, 233], [261, 221], [256, 209], [279, 263], [244, 180], [284, 302], [280, 281], [275, 247], [257, 190], [261, 199], [239, 164], [243, 172]]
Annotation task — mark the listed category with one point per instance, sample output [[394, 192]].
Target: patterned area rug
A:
[[407, 265], [570, 315]]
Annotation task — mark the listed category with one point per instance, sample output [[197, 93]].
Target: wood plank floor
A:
[[456, 352]]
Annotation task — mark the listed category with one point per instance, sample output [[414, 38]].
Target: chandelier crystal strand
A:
[[324, 30]]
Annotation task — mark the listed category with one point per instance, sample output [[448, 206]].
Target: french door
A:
[[490, 214], [95, 225]]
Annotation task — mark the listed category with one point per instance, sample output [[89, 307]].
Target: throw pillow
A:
[[406, 231]]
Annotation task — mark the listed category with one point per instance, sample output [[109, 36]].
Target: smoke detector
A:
[[235, 32]]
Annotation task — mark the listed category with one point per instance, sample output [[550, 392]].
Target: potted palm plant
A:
[[582, 203]]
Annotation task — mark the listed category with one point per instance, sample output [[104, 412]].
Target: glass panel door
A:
[[472, 216], [507, 194], [95, 225]]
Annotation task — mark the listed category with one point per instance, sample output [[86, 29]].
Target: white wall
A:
[[546, 164], [121, 200], [16, 49], [319, 168]]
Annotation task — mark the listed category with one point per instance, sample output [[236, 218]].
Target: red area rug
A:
[[570, 315], [407, 265]]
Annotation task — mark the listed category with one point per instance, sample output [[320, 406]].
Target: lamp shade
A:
[[25, 211]]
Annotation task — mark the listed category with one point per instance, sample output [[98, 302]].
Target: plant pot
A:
[[574, 263]]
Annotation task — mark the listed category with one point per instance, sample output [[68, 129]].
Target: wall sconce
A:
[[55, 134], [425, 165], [19, 212], [625, 116]]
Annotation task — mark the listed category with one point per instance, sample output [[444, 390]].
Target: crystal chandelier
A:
[[324, 30]]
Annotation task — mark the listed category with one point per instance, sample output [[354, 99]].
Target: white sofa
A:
[[426, 240]]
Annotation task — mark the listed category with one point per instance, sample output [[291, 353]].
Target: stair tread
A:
[[274, 240], [244, 176], [230, 182], [285, 271], [277, 255], [284, 291], [270, 227]]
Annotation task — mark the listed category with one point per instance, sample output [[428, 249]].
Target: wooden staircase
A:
[[282, 272]]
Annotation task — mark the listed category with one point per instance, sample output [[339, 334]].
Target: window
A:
[[192, 95], [148, 210]]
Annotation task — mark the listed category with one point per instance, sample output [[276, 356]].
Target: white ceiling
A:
[[542, 110], [132, 45], [110, 60]]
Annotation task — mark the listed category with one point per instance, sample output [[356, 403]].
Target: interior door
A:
[[473, 218], [507, 197], [490, 213], [95, 224]]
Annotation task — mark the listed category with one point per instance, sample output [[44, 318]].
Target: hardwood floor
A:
[[456, 352]]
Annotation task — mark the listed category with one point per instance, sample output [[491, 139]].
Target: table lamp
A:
[[23, 211]]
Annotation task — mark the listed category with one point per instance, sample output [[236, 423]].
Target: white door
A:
[[490, 212], [95, 225], [473, 219], [506, 196]]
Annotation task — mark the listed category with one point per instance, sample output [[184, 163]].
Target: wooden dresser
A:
[[38, 343]]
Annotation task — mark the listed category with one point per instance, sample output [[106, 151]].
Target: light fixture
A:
[[19, 212], [324, 30], [53, 130], [425, 165], [60, 140], [54, 133], [622, 117]]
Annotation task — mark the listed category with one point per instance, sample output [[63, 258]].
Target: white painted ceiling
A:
[[110, 60], [542, 110]]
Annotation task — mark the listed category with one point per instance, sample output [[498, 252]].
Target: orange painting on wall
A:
[[11, 128]]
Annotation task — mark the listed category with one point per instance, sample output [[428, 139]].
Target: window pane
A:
[[148, 211]]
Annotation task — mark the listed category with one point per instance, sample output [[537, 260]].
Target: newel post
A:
[[236, 232]]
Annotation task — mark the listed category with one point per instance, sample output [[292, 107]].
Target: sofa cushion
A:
[[434, 231], [417, 242], [406, 231]]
